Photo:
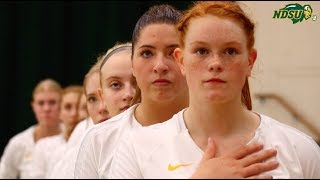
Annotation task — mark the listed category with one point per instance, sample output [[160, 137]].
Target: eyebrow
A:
[[198, 42], [92, 94], [112, 77], [150, 46], [204, 43]]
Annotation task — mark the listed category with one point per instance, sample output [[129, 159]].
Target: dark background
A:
[[59, 40]]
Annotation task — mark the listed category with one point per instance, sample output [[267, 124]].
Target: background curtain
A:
[[58, 40]]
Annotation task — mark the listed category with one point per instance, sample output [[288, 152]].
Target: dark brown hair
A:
[[157, 14]]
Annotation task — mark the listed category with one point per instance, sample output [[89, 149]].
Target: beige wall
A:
[[288, 63]]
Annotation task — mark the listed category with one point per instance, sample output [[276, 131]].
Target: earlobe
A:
[[252, 60]]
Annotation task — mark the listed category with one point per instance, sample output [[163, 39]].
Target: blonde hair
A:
[[94, 69], [47, 85], [118, 47]]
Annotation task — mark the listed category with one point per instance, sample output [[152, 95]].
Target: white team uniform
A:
[[17, 155], [97, 148], [64, 168], [46, 153], [77, 133], [167, 150]]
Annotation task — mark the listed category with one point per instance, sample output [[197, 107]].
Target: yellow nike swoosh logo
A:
[[174, 167]]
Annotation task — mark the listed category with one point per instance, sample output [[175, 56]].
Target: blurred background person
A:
[[48, 150], [82, 108], [46, 107]]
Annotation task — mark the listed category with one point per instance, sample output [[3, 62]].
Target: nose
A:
[[160, 66], [74, 112], [129, 92], [102, 109], [46, 106], [215, 64]]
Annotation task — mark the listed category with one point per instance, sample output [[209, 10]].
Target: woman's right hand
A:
[[248, 161]]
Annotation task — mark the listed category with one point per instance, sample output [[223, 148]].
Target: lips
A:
[[125, 108], [161, 82], [215, 80], [103, 120]]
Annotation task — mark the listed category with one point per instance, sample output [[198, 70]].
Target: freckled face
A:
[[216, 59]]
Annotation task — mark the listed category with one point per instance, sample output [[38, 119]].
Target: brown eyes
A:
[[115, 85], [92, 99], [68, 106], [146, 53], [149, 53]]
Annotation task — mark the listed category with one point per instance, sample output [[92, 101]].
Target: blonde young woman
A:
[[45, 104], [118, 67], [117, 90], [216, 56], [48, 150]]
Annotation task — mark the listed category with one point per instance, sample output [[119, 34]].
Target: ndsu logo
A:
[[295, 12]]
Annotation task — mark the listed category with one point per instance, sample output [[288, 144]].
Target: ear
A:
[[252, 59], [177, 54]]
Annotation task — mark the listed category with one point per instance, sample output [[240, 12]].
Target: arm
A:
[[10, 159], [243, 162]]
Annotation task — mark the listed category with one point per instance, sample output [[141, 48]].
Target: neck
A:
[[42, 131], [148, 113], [226, 123]]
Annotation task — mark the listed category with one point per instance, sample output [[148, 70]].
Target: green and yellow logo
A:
[[295, 12]]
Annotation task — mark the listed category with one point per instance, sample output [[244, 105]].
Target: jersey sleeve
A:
[[125, 164], [309, 156], [86, 164]]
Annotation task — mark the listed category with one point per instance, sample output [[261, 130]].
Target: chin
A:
[[216, 97]]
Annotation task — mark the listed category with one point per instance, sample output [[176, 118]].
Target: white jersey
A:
[[167, 150], [17, 155], [96, 151], [64, 168], [46, 153], [79, 130]]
